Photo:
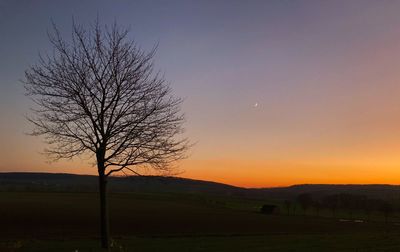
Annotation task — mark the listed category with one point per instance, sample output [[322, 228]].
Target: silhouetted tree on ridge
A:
[[98, 95], [289, 205], [387, 209], [305, 200], [331, 202]]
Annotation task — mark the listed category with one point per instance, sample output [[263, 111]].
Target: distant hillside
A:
[[157, 184], [73, 182], [381, 191]]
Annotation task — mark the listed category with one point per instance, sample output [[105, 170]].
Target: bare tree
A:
[[305, 200], [98, 94]]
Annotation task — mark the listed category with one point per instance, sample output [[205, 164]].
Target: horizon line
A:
[[194, 179]]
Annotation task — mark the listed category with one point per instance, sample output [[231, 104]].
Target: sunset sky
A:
[[276, 92]]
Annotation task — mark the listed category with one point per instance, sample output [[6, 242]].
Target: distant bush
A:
[[268, 209]]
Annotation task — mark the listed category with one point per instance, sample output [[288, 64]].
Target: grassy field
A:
[[173, 222], [288, 242]]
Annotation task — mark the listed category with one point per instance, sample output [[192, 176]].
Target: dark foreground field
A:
[[43, 221]]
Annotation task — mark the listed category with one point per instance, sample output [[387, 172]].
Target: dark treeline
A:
[[350, 205]]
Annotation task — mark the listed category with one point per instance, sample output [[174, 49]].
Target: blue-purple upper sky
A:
[[324, 76]]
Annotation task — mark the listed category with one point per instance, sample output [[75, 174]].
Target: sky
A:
[[276, 92]]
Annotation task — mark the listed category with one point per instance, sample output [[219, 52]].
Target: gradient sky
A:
[[325, 76]]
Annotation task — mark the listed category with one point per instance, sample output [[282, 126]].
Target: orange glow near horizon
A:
[[273, 174], [260, 174]]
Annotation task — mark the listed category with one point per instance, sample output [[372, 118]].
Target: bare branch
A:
[[98, 93]]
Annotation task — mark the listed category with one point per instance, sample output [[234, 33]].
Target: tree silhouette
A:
[[99, 95], [331, 202], [387, 209], [305, 200], [317, 206], [288, 205]]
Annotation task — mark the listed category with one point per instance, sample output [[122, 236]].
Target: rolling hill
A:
[[157, 184]]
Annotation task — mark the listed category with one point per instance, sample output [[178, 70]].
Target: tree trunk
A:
[[104, 227]]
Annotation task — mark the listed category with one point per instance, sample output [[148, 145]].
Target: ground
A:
[[48, 221]]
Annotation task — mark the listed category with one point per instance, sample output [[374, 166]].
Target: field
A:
[[45, 221]]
